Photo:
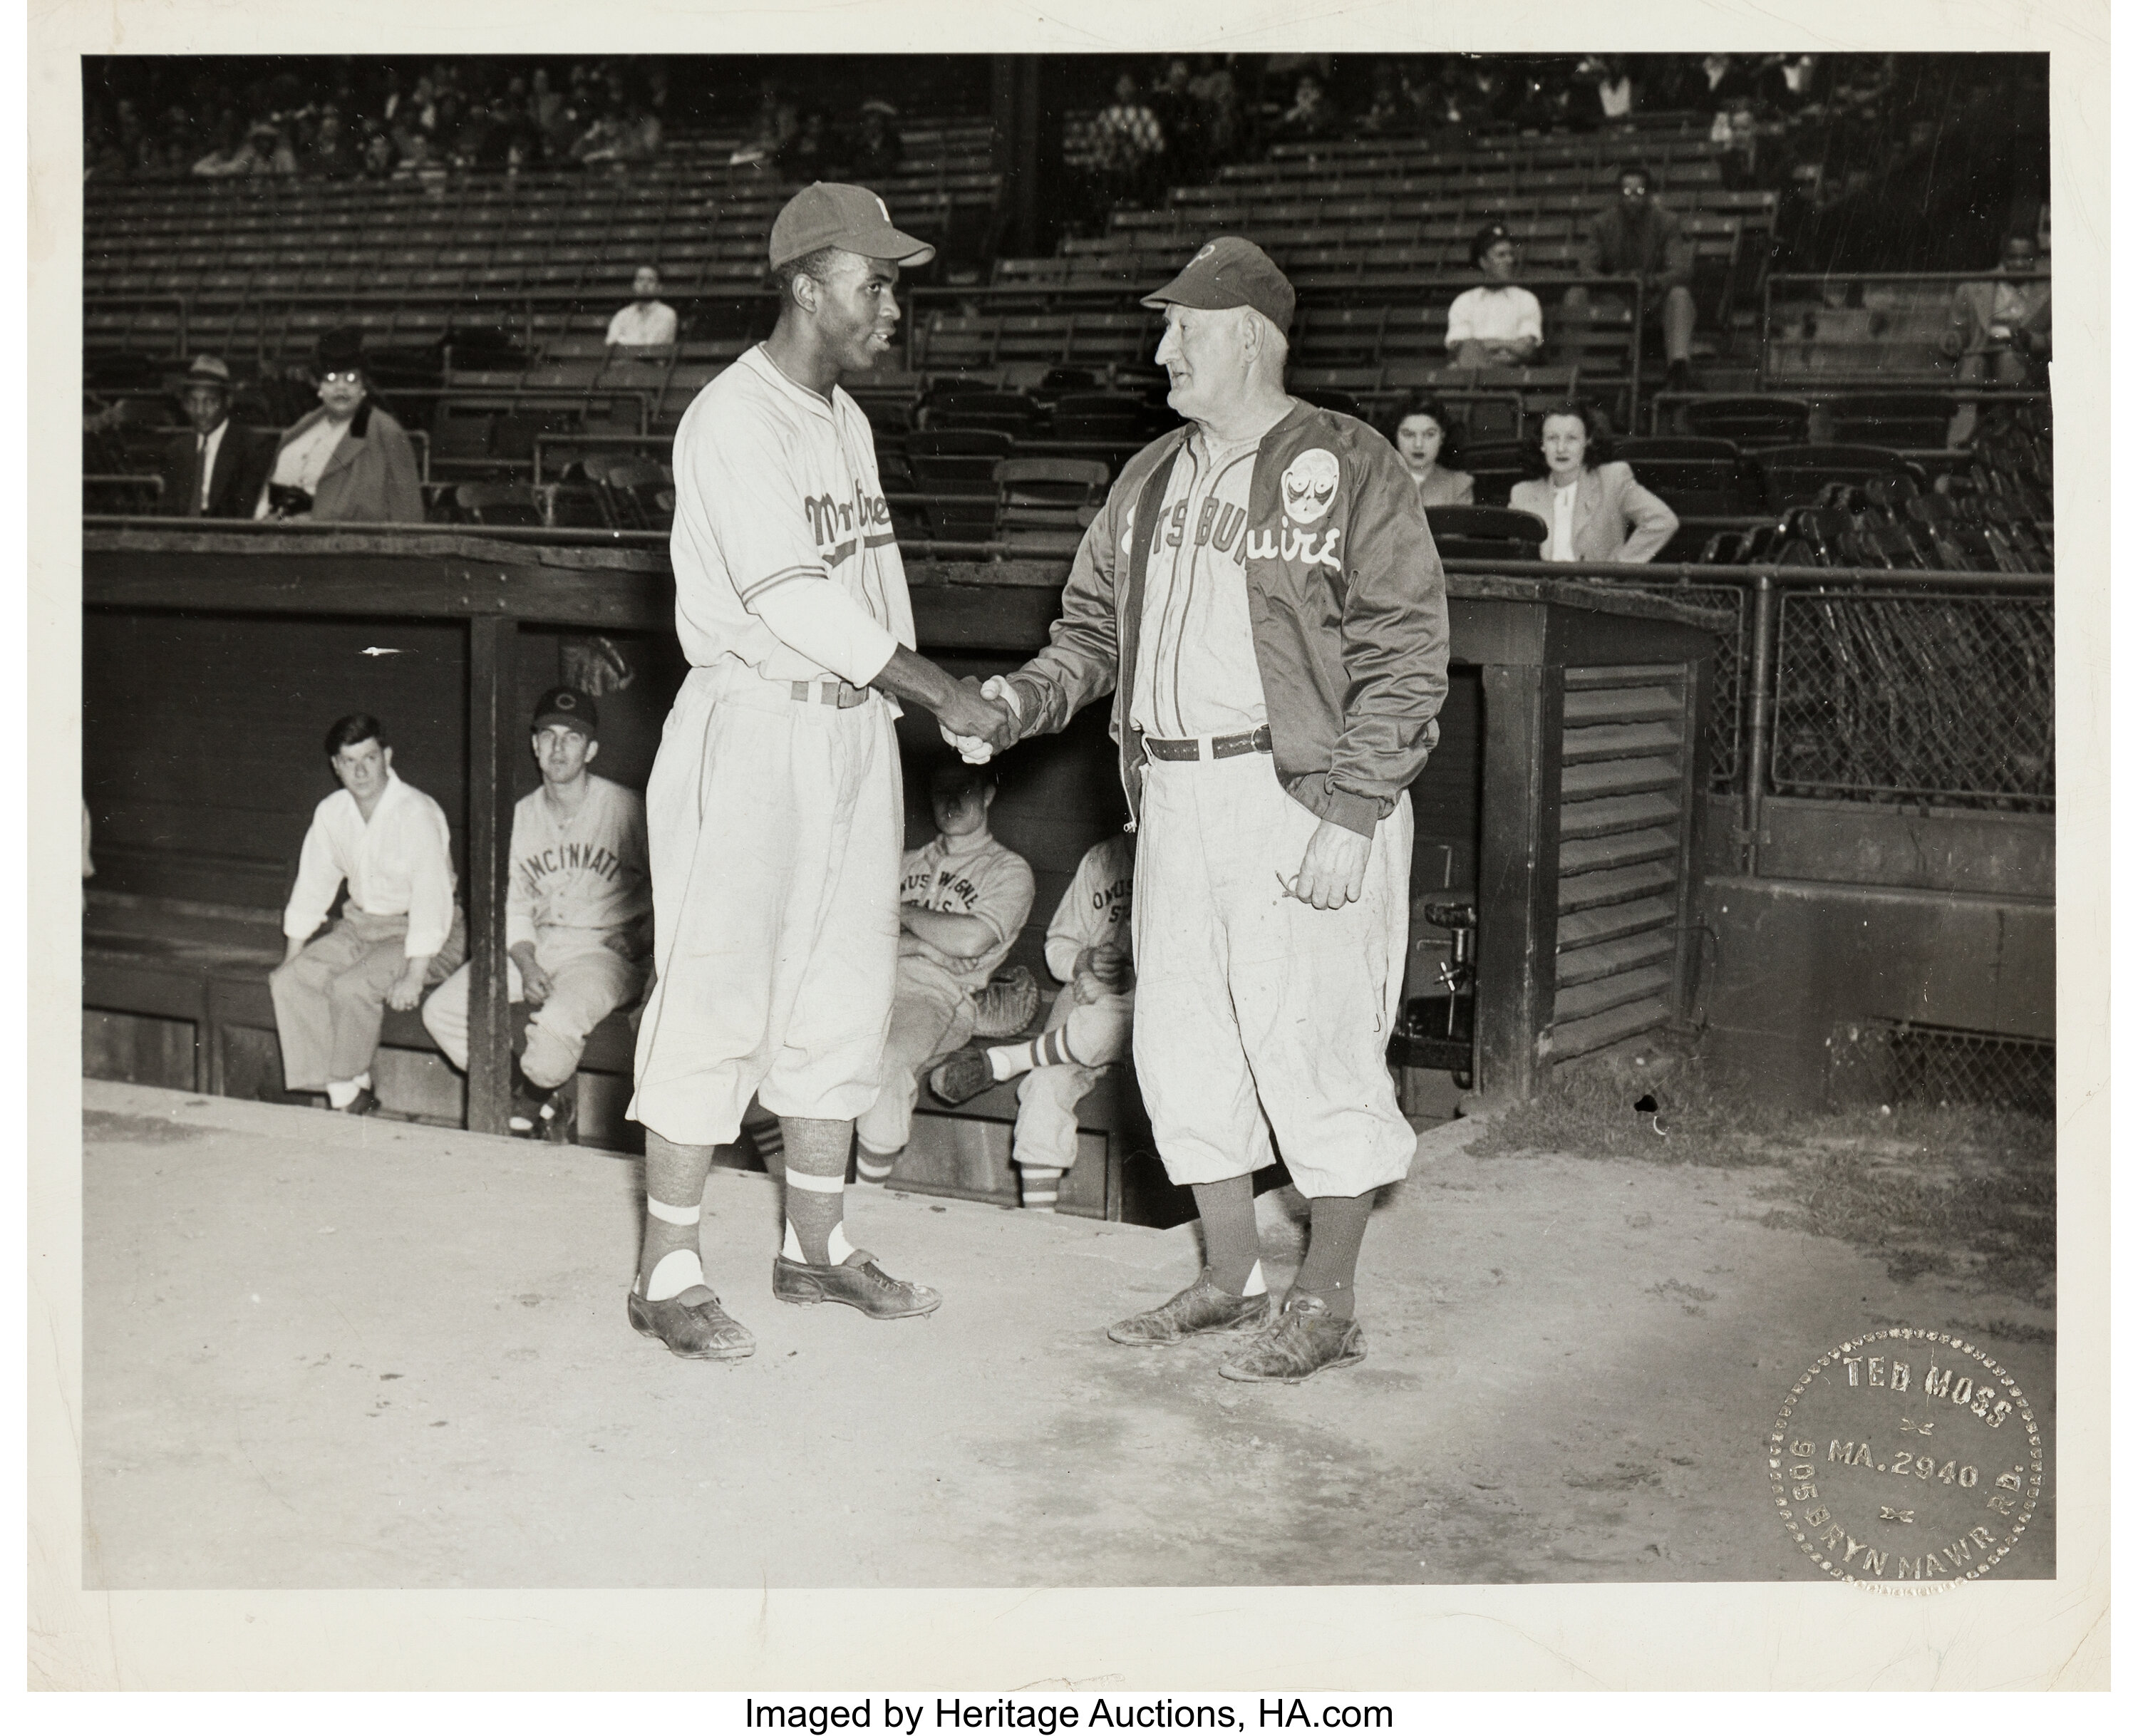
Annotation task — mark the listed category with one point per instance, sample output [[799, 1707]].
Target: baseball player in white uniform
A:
[[399, 929], [1263, 597], [578, 914], [964, 896], [1090, 949], [775, 811]]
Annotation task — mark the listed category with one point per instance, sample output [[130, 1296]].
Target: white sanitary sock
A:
[[836, 1244], [342, 1093], [1256, 1286], [677, 1271]]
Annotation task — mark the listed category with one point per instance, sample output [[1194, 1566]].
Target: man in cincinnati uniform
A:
[[775, 812], [578, 914], [1090, 948], [962, 897], [1262, 597]]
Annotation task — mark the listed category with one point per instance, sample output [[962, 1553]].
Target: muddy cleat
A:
[[701, 1332], [1304, 1341], [858, 1281], [963, 1077], [1203, 1307]]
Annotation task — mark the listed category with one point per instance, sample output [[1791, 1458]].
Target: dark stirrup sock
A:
[[1231, 1245], [1336, 1227]]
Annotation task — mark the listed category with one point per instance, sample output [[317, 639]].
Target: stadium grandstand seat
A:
[[500, 502], [1752, 422], [1700, 477], [1008, 413], [1496, 467], [1796, 475], [1899, 419], [1485, 532], [955, 469], [1045, 503]]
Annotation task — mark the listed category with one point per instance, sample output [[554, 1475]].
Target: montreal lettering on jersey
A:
[[833, 521], [1218, 526], [570, 858]]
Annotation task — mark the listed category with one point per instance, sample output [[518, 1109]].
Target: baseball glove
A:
[[1005, 1007]]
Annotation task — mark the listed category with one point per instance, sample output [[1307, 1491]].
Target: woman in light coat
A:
[[1595, 510]]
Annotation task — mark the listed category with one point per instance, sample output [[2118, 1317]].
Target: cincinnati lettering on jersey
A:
[[571, 858], [840, 527], [1218, 524]]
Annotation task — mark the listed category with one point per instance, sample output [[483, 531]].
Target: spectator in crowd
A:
[[1128, 144], [646, 322], [2000, 328], [807, 157], [1594, 508], [1424, 438], [1311, 115], [1216, 92], [1091, 946], [1180, 117], [399, 931], [217, 471], [232, 154], [1790, 83], [334, 154], [1615, 94], [878, 151], [1498, 323], [1390, 112], [1636, 236], [578, 914], [962, 897], [1719, 82], [348, 461]]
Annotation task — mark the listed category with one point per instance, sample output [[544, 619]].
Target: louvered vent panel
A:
[[1621, 838]]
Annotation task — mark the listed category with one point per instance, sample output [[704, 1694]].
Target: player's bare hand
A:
[[1085, 988], [534, 983], [1110, 965], [1333, 871], [969, 712], [407, 987]]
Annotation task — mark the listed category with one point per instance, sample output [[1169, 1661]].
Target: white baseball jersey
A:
[[974, 875], [783, 548], [1196, 672], [1095, 911], [586, 871]]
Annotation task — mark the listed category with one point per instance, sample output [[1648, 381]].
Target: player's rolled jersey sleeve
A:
[[759, 513]]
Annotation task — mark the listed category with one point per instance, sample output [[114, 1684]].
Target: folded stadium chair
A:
[[631, 489], [1755, 421], [1485, 532], [1793, 475], [1700, 477]]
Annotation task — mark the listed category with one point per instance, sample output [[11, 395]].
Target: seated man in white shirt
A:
[[646, 323], [1499, 323], [962, 897], [578, 915], [399, 930]]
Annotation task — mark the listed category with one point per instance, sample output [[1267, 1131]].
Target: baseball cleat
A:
[[963, 1077], [858, 1281], [701, 1332], [1304, 1341], [1203, 1307]]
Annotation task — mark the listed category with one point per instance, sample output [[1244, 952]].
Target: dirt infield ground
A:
[[321, 1353]]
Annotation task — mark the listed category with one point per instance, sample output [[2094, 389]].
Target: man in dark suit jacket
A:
[[217, 471]]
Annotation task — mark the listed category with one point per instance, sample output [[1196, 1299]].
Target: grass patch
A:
[[1952, 1191]]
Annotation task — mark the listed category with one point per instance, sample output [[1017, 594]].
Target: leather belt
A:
[[1222, 746], [842, 694]]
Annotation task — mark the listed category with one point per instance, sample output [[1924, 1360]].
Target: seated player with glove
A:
[[578, 914], [962, 900], [1089, 946]]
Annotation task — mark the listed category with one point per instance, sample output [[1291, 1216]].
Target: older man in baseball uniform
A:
[[578, 914], [775, 811], [1262, 598]]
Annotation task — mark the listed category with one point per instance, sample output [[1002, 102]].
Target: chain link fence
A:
[[1916, 695], [1880, 1061]]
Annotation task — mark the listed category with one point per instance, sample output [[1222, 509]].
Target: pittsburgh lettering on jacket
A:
[[1218, 526], [596, 859]]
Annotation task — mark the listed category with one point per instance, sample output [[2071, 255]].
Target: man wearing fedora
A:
[[1262, 597], [348, 461], [217, 471]]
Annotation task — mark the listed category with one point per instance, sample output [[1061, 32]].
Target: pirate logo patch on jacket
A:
[[1309, 484]]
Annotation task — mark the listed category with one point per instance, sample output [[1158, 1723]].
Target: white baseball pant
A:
[[1046, 1097], [1256, 1013], [931, 1015], [589, 980], [774, 828]]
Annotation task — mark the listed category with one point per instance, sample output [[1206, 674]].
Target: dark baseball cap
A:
[[831, 214], [1231, 272], [568, 706]]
